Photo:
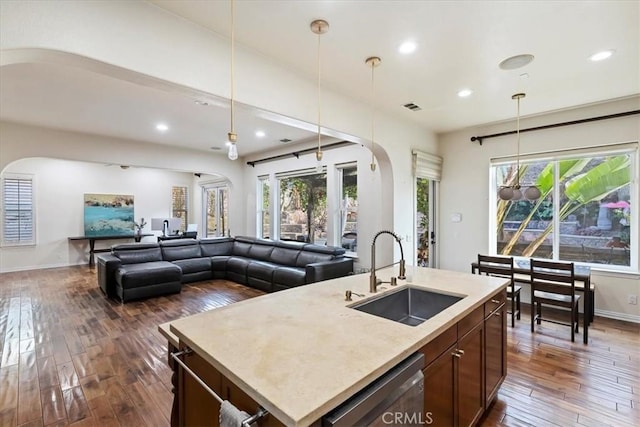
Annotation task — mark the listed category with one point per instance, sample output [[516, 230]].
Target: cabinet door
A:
[[495, 355], [470, 367], [439, 380], [196, 406]]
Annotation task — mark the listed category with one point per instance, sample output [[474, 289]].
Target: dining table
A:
[[582, 275]]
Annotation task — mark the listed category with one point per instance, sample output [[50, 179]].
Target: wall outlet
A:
[[633, 299]]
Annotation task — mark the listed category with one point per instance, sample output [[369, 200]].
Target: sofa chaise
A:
[[142, 270]]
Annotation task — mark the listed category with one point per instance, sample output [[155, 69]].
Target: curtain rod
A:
[[555, 125], [297, 154]]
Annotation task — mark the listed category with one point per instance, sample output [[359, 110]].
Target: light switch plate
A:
[[456, 217]]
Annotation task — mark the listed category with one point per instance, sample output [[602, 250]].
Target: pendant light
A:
[[233, 137], [373, 62], [319, 27], [515, 192]]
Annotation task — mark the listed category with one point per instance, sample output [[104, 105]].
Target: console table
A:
[[92, 242]]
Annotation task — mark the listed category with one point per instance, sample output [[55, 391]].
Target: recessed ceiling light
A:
[[407, 47], [162, 127], [517, 61], [601, 55], [463, 93], [260, 133]]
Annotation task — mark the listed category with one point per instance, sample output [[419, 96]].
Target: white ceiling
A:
[[460, 44]]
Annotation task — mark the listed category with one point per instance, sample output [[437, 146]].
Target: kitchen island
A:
[[302, 352]]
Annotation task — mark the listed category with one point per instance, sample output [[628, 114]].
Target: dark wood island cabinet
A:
[[301, 361]]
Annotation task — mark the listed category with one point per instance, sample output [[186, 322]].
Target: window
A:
[[585, 213], [349, 207], [303, 206], [263, 220], [179, 205], [18, 215], [216, 211]]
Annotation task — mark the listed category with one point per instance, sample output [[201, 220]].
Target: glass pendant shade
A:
[[517, 195], [505, 193], [233, 151], [532, 193]]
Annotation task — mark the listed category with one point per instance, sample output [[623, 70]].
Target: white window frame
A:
[[260, 212], [597, 151], [19, 242], [276, 226], [186, 205], [218, 187], [337, 238]]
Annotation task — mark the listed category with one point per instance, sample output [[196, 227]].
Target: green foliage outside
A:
[[580, 182]]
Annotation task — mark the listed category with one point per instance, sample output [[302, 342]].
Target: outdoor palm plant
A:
[[580, 188]]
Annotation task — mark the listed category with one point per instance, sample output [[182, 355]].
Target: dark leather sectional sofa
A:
[[141, 270]]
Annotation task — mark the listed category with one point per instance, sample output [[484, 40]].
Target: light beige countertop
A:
[[300, 353]]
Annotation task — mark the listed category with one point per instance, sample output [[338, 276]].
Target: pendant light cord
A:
[[373, 114], [518, 145], [319, 94], [233, 22]]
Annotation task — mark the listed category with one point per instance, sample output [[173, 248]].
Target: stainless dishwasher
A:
[[396, 398]]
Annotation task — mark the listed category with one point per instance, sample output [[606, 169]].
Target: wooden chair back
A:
[[553, 277], [499, 266]]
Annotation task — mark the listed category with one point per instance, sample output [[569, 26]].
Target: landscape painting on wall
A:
[[108, 215]]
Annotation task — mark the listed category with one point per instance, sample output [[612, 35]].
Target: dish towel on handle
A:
[[230, 416]]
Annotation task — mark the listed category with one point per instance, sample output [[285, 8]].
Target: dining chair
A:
[[553, 283], [502, 266]]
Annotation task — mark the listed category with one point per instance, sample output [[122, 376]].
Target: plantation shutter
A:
[[427, 165], [17, 212]]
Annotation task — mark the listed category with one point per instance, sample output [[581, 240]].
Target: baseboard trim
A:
[[39, 267], [625, 317], [633, 318]]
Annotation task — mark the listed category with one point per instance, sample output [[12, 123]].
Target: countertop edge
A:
[[330, 404]]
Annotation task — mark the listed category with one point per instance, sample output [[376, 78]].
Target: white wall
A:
[[19, 144], [465, 186], [60, 186], [85, 30]]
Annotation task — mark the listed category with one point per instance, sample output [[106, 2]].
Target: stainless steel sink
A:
[[409, 305]]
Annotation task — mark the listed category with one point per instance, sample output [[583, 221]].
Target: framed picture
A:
[[108, 215]]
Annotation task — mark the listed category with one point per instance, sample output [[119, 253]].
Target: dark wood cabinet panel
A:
[[439, 380], [461, 381], [196, 407], [495, 352], [470, 383]]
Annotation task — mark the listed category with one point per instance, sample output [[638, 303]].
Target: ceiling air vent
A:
[[285, 140], [413, 107]]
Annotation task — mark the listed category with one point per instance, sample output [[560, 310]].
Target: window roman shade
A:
[[427, 165]]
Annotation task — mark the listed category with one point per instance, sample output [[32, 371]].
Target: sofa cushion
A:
[[136, 253], [173, 250], [237, 269], [289, 276], [308, 257], [216, 247], [261, 270], [193, 265], [261, 250], [219, 266], [147, 273], [241, 248], [285, 256]]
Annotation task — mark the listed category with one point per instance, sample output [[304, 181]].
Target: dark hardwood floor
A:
[[69, 356]]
